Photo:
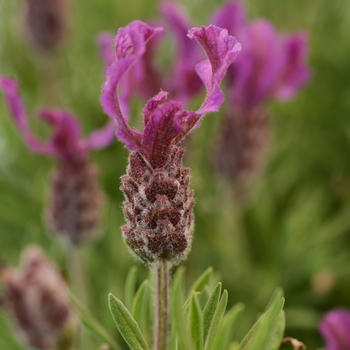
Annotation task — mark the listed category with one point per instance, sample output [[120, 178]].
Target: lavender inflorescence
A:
[[158, 205], [36, 296], [158, 208]]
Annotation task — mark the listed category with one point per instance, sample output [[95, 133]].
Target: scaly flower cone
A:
[[246, 136], [36, 295]]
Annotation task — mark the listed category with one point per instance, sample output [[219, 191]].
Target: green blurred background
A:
[[292, 232]]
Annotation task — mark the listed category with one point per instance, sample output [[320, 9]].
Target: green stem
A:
[[161, 323]]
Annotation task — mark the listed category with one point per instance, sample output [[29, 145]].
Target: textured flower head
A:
[[36, 295], [335, 328], [66, 141], [270, 66], [165, 123]]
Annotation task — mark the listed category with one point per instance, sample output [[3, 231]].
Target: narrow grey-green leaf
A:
[[276, 335], [234, 345], [126, 324], [178, 317], [196, 322], [129, 291], [227, 325], [216, 322], [140, 302], [92, 324], [210, 308], [188, 302], [258, 336], [203, 280]]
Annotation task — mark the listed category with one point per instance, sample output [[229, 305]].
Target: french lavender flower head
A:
[[37, 297], [158, 203], [335, 329], [271, 66], [76, 198]]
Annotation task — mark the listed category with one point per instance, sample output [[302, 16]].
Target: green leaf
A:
[[202, 281], [129, 290], [226, 328], [263, 331], [233, 346], [216, 322], [210, 308], [140, 302], [126, 324], [92, 324], [276, 336], [178, 317], [196, 322]]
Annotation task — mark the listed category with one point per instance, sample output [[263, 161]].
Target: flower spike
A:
[[158, 202]]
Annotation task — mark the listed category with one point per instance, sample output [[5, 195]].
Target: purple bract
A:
[[66, 141], [270, 66], [166, 123], [335, 328]]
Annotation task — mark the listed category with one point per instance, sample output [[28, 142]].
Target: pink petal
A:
[[184, 82], [221, 49], [130, 46], [230, 16], [257, 69], [66, 137], [100, 138], [105, 44], [16, 107], [163, 126], [295, 72], [335, 328]]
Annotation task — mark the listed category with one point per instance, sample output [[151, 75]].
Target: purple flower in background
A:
[[335, 329], [36, 295], [76, 197], [158, 204], [271, 66]]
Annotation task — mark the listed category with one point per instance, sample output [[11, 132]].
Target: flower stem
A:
[[161, 323]]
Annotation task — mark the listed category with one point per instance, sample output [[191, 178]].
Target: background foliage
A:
[[292, 231]]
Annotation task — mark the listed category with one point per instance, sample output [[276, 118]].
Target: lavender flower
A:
[[270, 66], [335, 328], [158, 203], [46, 22], [76, 197], [36, 296]]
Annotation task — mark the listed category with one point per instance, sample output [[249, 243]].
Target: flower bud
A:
[[241, 146], [45, 22], [36, 296], [291, 343]]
